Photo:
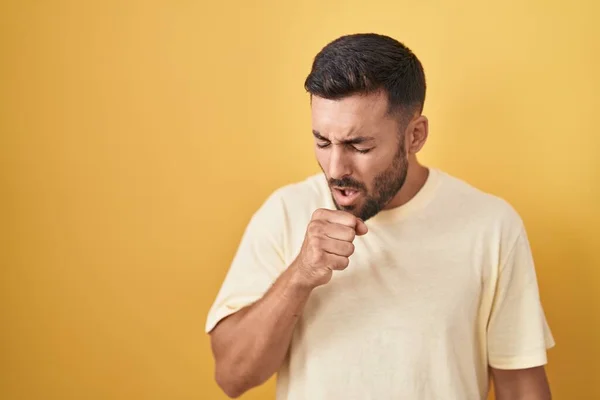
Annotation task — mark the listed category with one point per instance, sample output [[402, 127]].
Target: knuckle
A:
[[343, 263], [314, 227], [319, 257], [314, 256], [352, 234], [317, 214], [315, 242], [351, 248]]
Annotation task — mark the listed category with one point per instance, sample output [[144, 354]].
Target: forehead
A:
[[365, 113]]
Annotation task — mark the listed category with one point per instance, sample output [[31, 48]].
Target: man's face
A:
[[361, 150]]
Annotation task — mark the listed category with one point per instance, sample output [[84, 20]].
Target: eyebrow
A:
[[354, 140]]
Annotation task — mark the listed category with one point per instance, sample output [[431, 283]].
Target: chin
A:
[[354, 209]]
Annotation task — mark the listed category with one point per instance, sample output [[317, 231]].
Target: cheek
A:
[[366, 169], [376, 161], [322, 157], [369, 168]]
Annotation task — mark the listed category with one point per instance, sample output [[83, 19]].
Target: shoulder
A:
[[488, 220], [477, 206], [311, 189], [296, 200]]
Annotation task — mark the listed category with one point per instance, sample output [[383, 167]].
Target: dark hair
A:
[[366, 63]]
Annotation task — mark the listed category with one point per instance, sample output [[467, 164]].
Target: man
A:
[[380, 278]]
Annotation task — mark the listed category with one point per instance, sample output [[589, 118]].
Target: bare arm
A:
[[250, 345], [521, 384]]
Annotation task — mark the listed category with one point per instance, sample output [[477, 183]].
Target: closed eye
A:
[[362, 151], [323, 145]]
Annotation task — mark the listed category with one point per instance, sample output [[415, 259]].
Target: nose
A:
[[339, 163]]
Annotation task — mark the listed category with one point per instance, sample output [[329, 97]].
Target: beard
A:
[[385, 186]]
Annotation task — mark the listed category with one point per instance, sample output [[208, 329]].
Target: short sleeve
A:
[[518, 334], [258, 262]]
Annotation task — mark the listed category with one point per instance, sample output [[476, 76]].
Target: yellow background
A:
[[137, 138]]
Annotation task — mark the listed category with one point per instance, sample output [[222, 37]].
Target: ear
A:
[[418, 131]]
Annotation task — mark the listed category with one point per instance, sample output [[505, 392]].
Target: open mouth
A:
[[347, 192], [345, 196]]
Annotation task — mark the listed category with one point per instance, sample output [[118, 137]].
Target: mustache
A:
[[347, 182]]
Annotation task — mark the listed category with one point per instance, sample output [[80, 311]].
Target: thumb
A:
[[361, 227]]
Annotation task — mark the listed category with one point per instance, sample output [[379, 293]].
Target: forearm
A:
[[522, 396], [523, 384], [250, 345]]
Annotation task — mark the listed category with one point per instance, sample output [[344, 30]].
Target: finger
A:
[[337, 247], [361, 227], [339, 232], [339, 217], [338, 262]]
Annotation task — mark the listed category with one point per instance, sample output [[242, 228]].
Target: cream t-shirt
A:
[[437, 290]]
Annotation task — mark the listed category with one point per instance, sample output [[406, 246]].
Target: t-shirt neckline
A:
[[418, 201]]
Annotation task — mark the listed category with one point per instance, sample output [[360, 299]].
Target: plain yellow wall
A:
[[137, 138]]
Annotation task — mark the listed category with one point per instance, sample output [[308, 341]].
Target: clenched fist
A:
[[327, 245]]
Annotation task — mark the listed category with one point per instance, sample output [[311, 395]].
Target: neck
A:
[[415, 179]]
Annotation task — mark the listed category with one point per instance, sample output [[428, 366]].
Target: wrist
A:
[[298, 280]]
